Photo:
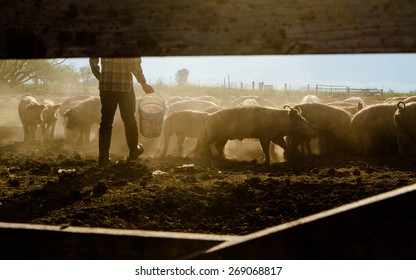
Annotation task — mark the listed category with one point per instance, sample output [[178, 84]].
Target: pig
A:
[[333, 129], [71, 102], [263, 123], [348, 106], [248, 148], [187, 123], [260, 101], [174, 99], [405, 120], [30, 111], [71, 135], [310, 99], [82, 116], [394, 100], [49, 119], [410, 99], [374, 130], [355, 100], [207, 98], [196, 105], [213, 109], [248, 102], [357, 104]]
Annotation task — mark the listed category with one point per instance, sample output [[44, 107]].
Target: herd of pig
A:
[[348, 127]]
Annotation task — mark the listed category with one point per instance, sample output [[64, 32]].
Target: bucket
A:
[[152, 112]]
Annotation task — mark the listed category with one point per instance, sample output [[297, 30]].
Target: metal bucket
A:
[[152, 112]]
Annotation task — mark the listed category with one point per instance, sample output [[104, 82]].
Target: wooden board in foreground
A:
[[27, 242], [79, 28]]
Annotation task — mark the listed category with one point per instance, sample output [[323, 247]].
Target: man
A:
[[116, 89]]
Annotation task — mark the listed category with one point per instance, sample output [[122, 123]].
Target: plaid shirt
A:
[[116, 73]]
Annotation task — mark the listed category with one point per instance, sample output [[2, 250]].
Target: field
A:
[[58, 184]]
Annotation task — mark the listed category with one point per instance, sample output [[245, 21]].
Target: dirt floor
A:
[[53, 186]]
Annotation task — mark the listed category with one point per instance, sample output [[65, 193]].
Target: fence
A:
[[345, 89]]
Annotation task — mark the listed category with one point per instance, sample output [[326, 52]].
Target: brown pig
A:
[[333, 126], [263, 123], [374, 130], [405, 120]]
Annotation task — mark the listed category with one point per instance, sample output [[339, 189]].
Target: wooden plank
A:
[[28, 242], [379, 227], [78, 28]]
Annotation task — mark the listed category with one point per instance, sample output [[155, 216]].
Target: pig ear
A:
[[401, 105], [67, 112], [55, 107], [360, 106]]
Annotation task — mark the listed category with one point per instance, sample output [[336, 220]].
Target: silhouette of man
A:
[[115, 76]]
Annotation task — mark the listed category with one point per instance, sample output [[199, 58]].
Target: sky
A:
[[395, 72]]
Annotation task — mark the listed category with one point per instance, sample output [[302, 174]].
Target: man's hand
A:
[[147, 88]]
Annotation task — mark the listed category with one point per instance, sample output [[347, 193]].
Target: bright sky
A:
[[383, 71]]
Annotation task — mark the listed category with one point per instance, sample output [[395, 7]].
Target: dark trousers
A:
[[126, 101]]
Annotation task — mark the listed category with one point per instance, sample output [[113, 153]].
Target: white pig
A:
[[30, 110], [187, 123]]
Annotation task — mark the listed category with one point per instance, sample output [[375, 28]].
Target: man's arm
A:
[[95, 67], [138, 73]]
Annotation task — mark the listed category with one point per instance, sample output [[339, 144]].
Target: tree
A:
[[181, 76], [16, 72], [37, 71], [86, 76]]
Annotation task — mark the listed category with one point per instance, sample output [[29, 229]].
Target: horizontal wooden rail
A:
[[27, 241], [79, 28]]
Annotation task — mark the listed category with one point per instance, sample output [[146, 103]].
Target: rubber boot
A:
[[132, 139], [104, 142]]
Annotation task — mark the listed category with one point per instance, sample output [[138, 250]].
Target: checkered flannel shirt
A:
[[116, 73]]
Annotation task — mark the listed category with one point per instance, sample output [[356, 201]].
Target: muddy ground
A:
[[47, 184]]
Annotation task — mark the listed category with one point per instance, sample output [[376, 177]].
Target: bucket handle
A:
[[155, 92]]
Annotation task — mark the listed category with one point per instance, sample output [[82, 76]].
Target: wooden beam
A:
[[84, 28], [28, 242], [379, 227]]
